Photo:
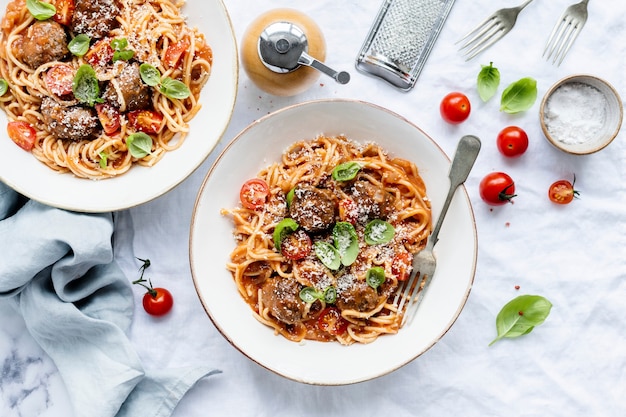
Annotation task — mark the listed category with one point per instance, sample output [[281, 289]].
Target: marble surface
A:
[[574, 364]]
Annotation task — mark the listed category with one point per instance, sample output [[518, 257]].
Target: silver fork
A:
[[490, 30], [411, 291], [565, 32]]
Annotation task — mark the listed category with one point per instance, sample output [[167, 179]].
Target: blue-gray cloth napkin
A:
[[57, 269]]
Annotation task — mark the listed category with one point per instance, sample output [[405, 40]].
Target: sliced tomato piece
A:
[[175, 52], [296, 245], [59, 79], [65, 11], [401, 265], [331, 321], [348, 211], [23, 134], [147, 121], [253, 193], [100, 54], [109, 117]]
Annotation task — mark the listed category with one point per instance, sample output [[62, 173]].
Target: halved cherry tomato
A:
[[158, 302], [348, 211], [23, 134], [401, 265], [175, 52], [64, 11], [296, 245], [512, 141], [100, 54], [59, 79], [147, 121], [109, 117], [562, 192], [455, 107], [497, 188], [253, 193], [331, 321]]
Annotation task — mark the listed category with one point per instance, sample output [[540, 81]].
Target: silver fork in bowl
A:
[[410, 292], [490, 30], [565, 32]]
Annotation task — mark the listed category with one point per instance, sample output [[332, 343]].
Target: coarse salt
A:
[[575, 113]]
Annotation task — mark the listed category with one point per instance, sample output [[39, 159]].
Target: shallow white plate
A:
[[211, 242], [25, 174]]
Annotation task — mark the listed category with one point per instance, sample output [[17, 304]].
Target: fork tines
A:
[[561, 39], [482, 37]]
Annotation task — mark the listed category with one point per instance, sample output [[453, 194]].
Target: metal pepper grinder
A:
[[282, 53]]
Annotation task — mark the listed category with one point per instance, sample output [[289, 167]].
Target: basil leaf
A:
[[174, 89], [309, 294], [40, 10], [149, 75], [328, 255], [346, 171], [330, 295], [375, 277], [488, 81], [346, 242], [4, 86], [125, 55], [378, 232], [290, 196], [282, 229], [139, 144], [103, 159], [519, 96], [520, 316], [85, 85], [119, 44], [79, 45]]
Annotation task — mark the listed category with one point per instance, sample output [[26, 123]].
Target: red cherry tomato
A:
[[175, 51], [296, 245], [158, 302], [59, 79], [331, 321], [512, 141], [109, 117], [253, 193], [348, 211], [455, 108], [100, 54], [23, 134], [497, 188], [64, 11], [147, 121], [562, 192], [401, 265]]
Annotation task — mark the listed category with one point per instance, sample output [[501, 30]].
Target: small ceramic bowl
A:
[[581, 114]]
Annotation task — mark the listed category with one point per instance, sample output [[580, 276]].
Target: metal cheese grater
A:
[[401, 38]]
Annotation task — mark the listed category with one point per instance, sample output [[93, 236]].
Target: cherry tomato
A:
[[109, 117], [296, 245], [175, 51], [253, 193], [23, 134], [100, 54], [512, 141], [401, 265], [348, 211], [562, 192], [158, 301], [330, 321], [497, 188], [64, 11], [455, 108], [59, 79], [147, 121]]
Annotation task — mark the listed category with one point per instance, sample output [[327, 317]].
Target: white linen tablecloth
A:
[[574, 364]]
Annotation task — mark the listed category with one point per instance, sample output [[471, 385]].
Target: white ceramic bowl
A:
[[211, 241], [581, 114], [25, 174]]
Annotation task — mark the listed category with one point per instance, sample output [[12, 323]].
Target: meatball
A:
[[371, 201], [127, 91], [282, 297], [43, 42], [355, 294], [70, 122], [313, 208], [95, 18]]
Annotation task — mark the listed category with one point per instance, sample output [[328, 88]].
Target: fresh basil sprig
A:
[[104, 158], [120, 50], [328, 254], [378, 232], [4, 86], [346, 242], [310, 294], [519, 96], [375, 277], [520, 316], [346, 171], [79, 45], [85, 85], [169, 87], [488, 81], [282, 229], [139, 144], [40, 9]]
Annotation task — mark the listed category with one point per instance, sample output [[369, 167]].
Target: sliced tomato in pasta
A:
[[64, 11], [401, 266], [147, 121], [175, 52], [109, 117], [253, 193], [296, 245], [331, 321], [23, 134], [100, 54], [59, 79]]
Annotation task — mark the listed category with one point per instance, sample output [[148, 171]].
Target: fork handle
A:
[[462, 163]]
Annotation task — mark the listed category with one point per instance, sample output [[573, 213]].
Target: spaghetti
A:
[[320, 254], [153, 31]]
